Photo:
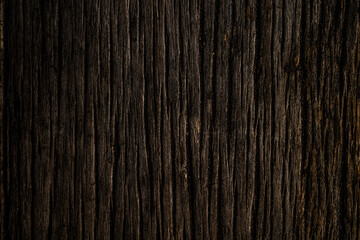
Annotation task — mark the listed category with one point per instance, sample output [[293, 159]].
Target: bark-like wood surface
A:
[[204, 119]]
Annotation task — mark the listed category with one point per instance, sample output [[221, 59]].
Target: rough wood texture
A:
[[204, 119]]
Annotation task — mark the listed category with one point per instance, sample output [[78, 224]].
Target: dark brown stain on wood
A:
[[202, 119]]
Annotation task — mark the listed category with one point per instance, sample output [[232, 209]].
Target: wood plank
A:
[[163, 119]]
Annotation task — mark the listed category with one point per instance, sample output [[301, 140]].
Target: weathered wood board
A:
[[204, 119]]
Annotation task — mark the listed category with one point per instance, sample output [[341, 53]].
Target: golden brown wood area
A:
[[175, 119]]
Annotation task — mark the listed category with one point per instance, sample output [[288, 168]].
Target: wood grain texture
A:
[[204, 119]]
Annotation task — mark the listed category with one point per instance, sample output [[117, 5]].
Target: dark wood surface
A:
[[204, 119]]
